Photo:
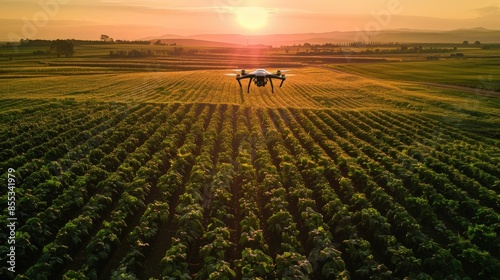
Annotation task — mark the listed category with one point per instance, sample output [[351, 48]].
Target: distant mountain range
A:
[[183, 41], [396, 35]]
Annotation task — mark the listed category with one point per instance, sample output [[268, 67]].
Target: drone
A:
[[260, 77]]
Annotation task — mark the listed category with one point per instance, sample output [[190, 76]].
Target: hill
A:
[[196, 42], [395, 35]]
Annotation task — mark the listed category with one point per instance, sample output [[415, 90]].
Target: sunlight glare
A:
[[252, 18]]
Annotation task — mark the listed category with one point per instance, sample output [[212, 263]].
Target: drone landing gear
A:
[[249, 83], [272, 86]]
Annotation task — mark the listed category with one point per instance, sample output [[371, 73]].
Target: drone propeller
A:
[[241, 71], [280, 72], [231, 74]]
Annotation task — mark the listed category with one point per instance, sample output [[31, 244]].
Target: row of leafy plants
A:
[[119, 191], [402, 259], [189, 212], [157, 213], [431, 171], [44, 196], [488, 263], [323, 177], [255, 260], [218, 237], [40, 228]]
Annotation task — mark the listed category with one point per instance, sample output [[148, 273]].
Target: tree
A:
[[477, 43], [62, 47], [106, 38], [465, 42]]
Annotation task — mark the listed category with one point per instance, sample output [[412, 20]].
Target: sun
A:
[[252, 18]]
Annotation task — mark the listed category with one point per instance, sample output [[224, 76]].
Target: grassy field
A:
[[481, 73], [163, 168]]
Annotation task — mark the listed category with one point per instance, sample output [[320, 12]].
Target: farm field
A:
[[124, 171], [477, 73]]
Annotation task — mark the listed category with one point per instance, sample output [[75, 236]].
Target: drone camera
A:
[[260, 82]]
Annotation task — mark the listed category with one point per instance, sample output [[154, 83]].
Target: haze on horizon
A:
[[135, 19]]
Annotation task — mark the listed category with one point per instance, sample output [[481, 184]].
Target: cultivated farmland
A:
[[143, 174]]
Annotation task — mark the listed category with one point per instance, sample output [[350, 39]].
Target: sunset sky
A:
[[135, 19]]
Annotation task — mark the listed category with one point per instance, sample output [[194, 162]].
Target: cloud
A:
[[488, 10]]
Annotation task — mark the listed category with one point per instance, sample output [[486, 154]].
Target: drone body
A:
[[260, 77]]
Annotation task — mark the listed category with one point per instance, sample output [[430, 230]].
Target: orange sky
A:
[[134, 19]]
